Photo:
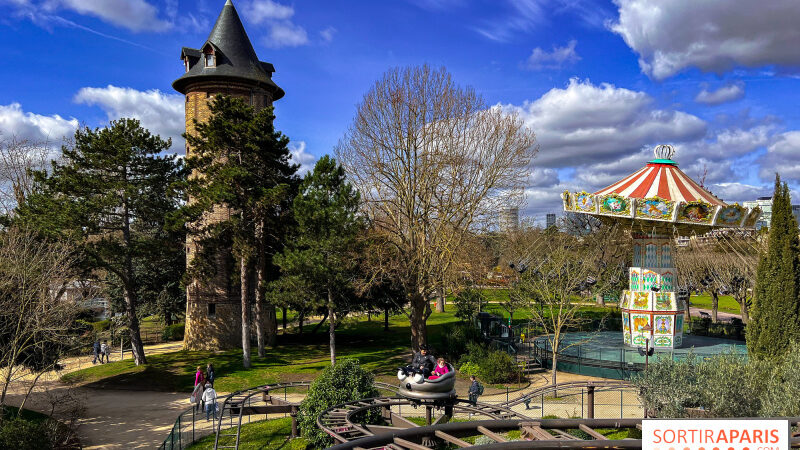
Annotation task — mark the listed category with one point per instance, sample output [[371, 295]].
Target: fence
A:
[[191, 425]]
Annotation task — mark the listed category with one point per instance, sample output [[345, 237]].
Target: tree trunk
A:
[[418, 319], [386, 319], [714, 305], [599, 299], [554, 372], [744, 311], [332, 327], [129, 290], [440, 300], [285, 322], [271, 325], [320, 323], [302, 318], [259, 306], [245, 313]]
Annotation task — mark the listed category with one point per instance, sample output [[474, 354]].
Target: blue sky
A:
[[601, 82]]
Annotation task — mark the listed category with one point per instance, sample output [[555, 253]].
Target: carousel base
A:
[[605, 355]]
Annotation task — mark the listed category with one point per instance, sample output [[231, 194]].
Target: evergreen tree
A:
[[245, 167], [775, 320], [109, 194], [320, 261]]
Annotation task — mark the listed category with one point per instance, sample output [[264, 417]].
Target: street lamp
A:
[[647, 329]]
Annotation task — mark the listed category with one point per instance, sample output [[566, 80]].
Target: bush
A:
[[456, 338], [173, 332], [468, 303], [491, 366], [344, 382], [101, 326], [22, 434]]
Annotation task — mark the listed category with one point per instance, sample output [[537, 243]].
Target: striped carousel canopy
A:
[[661, 177], [661, 192]]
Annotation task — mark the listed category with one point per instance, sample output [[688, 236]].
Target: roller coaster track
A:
[[549, 389], [338, 421]]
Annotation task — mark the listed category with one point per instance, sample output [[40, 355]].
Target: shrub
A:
[[22, 434], [173, 332], [456, 338], [470, 368], [499, 367], [344, 382], [101, 326], [468, 303]]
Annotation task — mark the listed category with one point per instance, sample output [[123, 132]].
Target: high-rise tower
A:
[[225, 64]]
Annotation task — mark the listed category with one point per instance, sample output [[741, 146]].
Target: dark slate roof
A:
[[235, 57]]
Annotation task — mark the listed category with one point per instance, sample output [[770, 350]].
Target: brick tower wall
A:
[[213, 306]]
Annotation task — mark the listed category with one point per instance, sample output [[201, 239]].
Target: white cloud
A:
[[738, 192], [712, 35], [300, 156], [556, 59], [161, 113], [726, 93], [327, 34], [782, 157], [278, 18], [26, 125], [543, 177], [135, 15], [260, 11], [585, 124], [286, 34]]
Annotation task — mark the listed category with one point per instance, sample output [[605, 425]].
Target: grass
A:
[[263, 435], [26, 414], [296, 357], [726, 303]]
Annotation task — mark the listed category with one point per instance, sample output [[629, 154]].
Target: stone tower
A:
[[225, 64]]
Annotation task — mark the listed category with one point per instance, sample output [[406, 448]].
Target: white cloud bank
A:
[[161, 113], [15, 122], [278, 17], [712, 35], [727, 93], [555, 59]]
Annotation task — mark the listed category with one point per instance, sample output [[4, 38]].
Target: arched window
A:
[[209, 57]]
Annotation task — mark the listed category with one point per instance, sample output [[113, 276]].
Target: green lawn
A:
[[296, 357], [726, 303], [263, 435]]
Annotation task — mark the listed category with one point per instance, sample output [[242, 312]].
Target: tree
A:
[[699, 267], [35, 319], [775, 320], [432, 163], [468, 303], [242, 166], [19, 159], [108, 182], [320, 261], [558, 275]]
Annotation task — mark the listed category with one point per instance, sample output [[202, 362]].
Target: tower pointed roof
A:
[[233, 54]]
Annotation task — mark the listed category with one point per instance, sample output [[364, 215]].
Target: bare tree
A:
[[35, 318], [432, 163], [559, 274], [18, 158]]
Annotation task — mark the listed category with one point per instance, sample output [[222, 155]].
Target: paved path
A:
[[721, 315]]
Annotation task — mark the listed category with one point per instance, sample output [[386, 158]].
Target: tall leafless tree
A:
[[431, 161], [18, 158]]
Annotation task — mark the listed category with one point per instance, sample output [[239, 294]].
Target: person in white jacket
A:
[[210, 400]]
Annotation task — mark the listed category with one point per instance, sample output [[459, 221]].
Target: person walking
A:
[[199, 384], [210, 374], [96, 351], [210, 401], [475, 389], [104, 351]]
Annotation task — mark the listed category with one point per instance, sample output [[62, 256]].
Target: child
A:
[[210, 400], [104, 351], [441, 369]]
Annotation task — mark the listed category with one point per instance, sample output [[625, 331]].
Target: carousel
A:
[[658, 203]]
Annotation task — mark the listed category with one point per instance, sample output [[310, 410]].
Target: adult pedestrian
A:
[[210, 376], [96, 351], [475, 389], [104, 351], [210, 400], [199, 385]]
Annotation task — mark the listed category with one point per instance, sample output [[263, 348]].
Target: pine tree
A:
[[245, 167], [775, 322], [110, 194], [320, 261]]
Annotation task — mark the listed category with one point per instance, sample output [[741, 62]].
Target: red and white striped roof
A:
[[661, 178]]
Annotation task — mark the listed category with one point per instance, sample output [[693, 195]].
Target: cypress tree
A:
[[776, 306]]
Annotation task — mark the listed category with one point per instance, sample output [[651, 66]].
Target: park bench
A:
[[705, 315]]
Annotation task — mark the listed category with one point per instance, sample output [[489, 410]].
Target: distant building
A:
[[766, 211], [551, 220], [509, 219]]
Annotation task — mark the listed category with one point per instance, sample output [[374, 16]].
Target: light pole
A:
[[647, 329]]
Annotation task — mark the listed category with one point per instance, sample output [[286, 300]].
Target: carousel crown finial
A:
[[664, 151]]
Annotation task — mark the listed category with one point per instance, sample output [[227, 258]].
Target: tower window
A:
[[210, 60], [212, 310]]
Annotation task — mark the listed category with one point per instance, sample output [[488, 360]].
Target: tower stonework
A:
[[226, 64]]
